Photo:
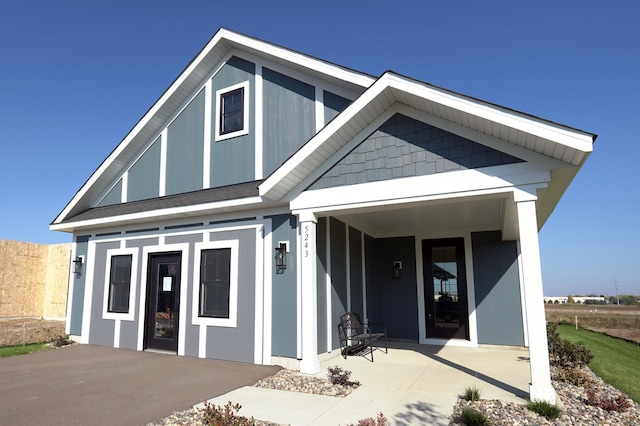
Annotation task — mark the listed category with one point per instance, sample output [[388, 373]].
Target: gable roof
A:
[[192, 77], [563, 143]]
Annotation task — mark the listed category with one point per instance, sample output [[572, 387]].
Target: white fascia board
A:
[[301, 59], [560, 134], [441, 185], [176, 211]]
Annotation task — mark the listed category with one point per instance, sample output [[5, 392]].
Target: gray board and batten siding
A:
[[405, 147], [184, 149], [288, 117], [497, 290], [79, 283], [233, 160], [392, 301], [101, 331], [239, 340], [237, 343], [284, 290], [144, 175]]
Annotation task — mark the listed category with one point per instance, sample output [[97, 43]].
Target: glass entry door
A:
[[445, 282], [163, 301]]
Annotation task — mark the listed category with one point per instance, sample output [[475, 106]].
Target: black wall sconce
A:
[[77, 265], [281, 256], [397, 267]]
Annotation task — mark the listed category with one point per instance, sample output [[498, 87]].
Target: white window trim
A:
[[245, 105], [128, 316], [233, 285]]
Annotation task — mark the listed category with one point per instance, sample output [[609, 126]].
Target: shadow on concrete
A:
[[419, 413], [432, 353]]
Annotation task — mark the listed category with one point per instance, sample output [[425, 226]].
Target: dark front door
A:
[[445, 282], [163, 301]]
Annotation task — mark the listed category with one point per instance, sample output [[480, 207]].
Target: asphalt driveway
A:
[[83, 384]]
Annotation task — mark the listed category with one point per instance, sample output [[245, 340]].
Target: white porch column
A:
[[309, 294], [540, 387]]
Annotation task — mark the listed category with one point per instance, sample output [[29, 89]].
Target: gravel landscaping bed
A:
[[574, 401]]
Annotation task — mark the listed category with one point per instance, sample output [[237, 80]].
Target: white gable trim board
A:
[[344, 229]]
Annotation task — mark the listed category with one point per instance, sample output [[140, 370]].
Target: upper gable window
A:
[[232, 111]]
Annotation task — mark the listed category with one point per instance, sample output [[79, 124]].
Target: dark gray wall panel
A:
[[284, 290], [405, 147], [497, 290], [101, 332], [321, 267], [237, 344], [338, 275], [394, 301], [333, 105], [355, 270], [289, 117], [233, 160], [113, 197], [185, 140], [77, 302], [144, 175], [129, 329]]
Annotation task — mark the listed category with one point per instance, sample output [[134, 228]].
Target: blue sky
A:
[[75, 76]]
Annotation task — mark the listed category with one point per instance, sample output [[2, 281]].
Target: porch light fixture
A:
[[397, 268], [281, 257], [77, 265]]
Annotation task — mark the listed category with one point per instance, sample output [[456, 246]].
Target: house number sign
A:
[[305, 239]]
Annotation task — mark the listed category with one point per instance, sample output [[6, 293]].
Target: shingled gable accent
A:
[[204, 63], [476, 117], [405, 147]]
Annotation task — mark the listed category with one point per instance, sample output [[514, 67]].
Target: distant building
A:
[[577, 299], [563, 299]]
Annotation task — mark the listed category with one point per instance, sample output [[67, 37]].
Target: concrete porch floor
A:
[[411, 385]]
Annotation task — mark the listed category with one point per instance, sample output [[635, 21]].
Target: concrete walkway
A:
[[412, 385]]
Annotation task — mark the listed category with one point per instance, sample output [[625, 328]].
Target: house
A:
[[266, 192]]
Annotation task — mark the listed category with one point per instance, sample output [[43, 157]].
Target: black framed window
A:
[[215, 282], [120, 283], [232, 111]]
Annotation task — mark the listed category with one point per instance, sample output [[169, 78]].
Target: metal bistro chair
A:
[[358, 339]]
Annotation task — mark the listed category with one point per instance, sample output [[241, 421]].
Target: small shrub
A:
[[472, 393], [573, 375], [616, 403], [473, 417], [338, 376], [60, 341], [214, 415], [565, 354], [381, 420], [543, 408]]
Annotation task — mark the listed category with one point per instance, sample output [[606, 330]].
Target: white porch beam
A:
[[540, 387], [309, 364]]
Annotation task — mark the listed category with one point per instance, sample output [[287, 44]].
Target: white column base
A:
[[542, 393], [310, 366]]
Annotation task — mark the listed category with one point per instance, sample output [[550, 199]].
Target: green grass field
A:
[[6, 351], [616, 361]]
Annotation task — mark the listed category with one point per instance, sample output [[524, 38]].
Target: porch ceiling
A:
[[481, 214]]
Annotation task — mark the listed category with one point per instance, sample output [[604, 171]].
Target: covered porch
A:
[[489, 242]]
